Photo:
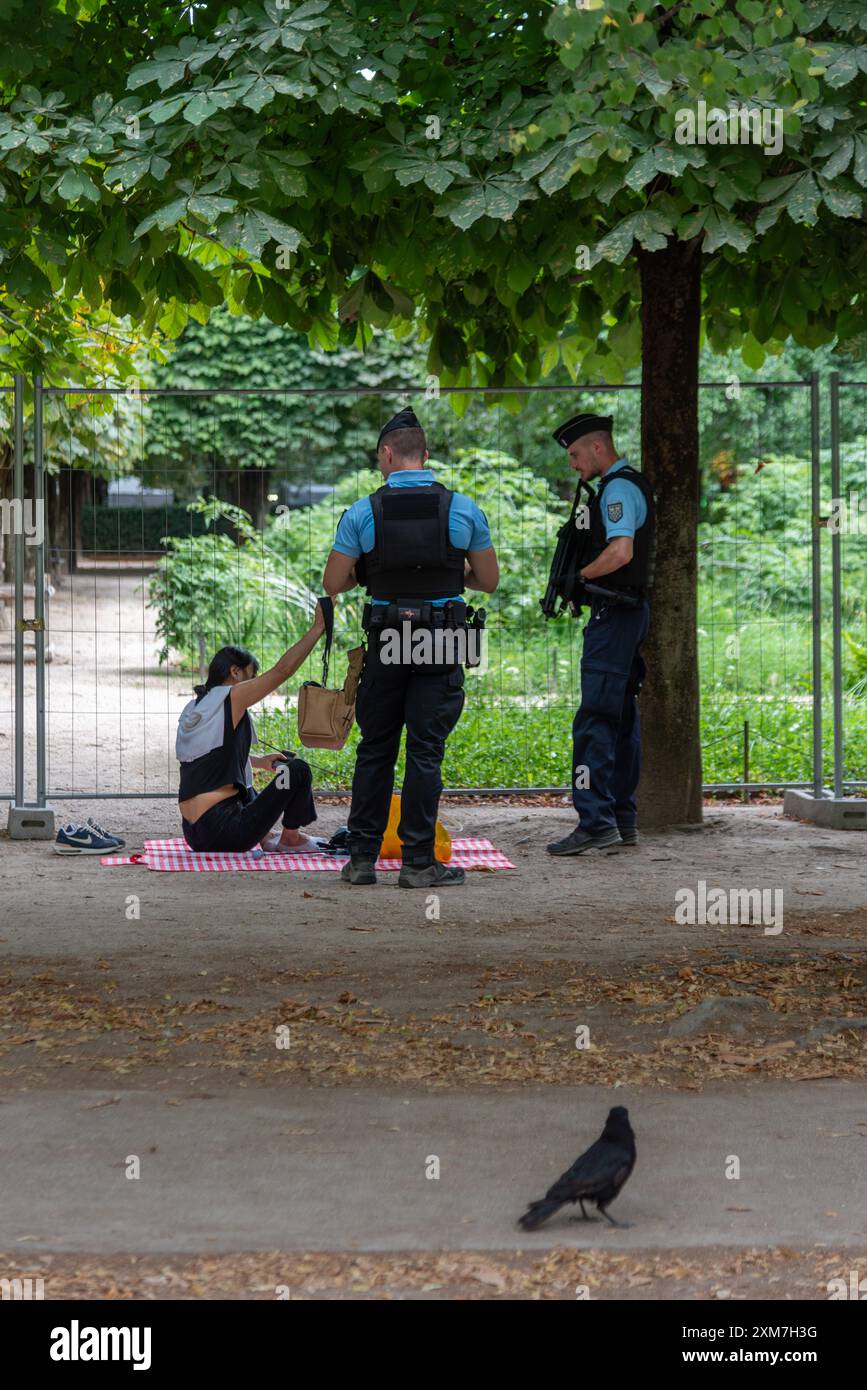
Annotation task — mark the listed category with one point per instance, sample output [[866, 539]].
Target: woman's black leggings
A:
[[240, 822]]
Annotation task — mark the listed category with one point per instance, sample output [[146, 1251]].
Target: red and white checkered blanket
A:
[[174, 856]]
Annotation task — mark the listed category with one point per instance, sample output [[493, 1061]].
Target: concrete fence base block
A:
[[832, 812], [31, 823]]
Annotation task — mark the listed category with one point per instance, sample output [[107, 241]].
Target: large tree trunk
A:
[[670, 791], [74, 490], [247, 488], [58, 524]]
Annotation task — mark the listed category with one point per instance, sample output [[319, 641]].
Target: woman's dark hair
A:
[[221, 665]]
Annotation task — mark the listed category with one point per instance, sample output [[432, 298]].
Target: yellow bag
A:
[[391, 845]]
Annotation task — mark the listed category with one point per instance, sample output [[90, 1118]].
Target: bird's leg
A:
[[621, 1225], [583, 1216]]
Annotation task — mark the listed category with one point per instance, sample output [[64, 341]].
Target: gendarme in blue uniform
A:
[[606, 732], [410, 540]]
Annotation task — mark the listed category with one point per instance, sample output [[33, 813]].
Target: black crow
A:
[[597, 1176]]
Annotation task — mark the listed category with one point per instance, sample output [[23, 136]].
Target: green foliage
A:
[[302, 437], [189, 441], [755, 548], [210, 590], [858, 655], [294, 161], [140, 529], [515, 500]]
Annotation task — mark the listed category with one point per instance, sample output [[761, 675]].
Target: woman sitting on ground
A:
[[219, 808]]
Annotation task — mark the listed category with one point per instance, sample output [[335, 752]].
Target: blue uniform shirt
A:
[[468, 525], [623, 506]]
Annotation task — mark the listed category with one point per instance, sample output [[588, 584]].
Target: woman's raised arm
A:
[[247, 693]]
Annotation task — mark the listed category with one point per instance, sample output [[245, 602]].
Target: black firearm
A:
[[571, 553]]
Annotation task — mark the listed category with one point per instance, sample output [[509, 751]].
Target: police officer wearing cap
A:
[[415, 546], [606, 731]]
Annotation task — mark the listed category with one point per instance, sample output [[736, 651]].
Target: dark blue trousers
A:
[[606, 731], [427, 702]]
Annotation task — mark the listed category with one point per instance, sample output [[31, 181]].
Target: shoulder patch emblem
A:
[[615, 511]]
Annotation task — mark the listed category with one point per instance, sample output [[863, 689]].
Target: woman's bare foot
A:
[[289, 842]]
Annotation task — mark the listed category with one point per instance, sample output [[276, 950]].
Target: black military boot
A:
[[435, 875], [579, 842], [359, 869]]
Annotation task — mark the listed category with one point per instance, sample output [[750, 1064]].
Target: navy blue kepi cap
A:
[[581, 424], [403, 420]]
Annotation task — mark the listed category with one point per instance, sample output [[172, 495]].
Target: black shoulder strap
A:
[[445, 517], [327, 606], [632, 475], [577, 503], [375, 500], [637, 479]]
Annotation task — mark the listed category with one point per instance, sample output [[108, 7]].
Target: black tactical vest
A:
[[637, 576], [412, 556]]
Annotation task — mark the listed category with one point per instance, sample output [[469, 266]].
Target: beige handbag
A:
[[325, 716]]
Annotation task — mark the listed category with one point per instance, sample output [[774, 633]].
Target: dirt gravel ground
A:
[[116, 982], [599, 909]]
